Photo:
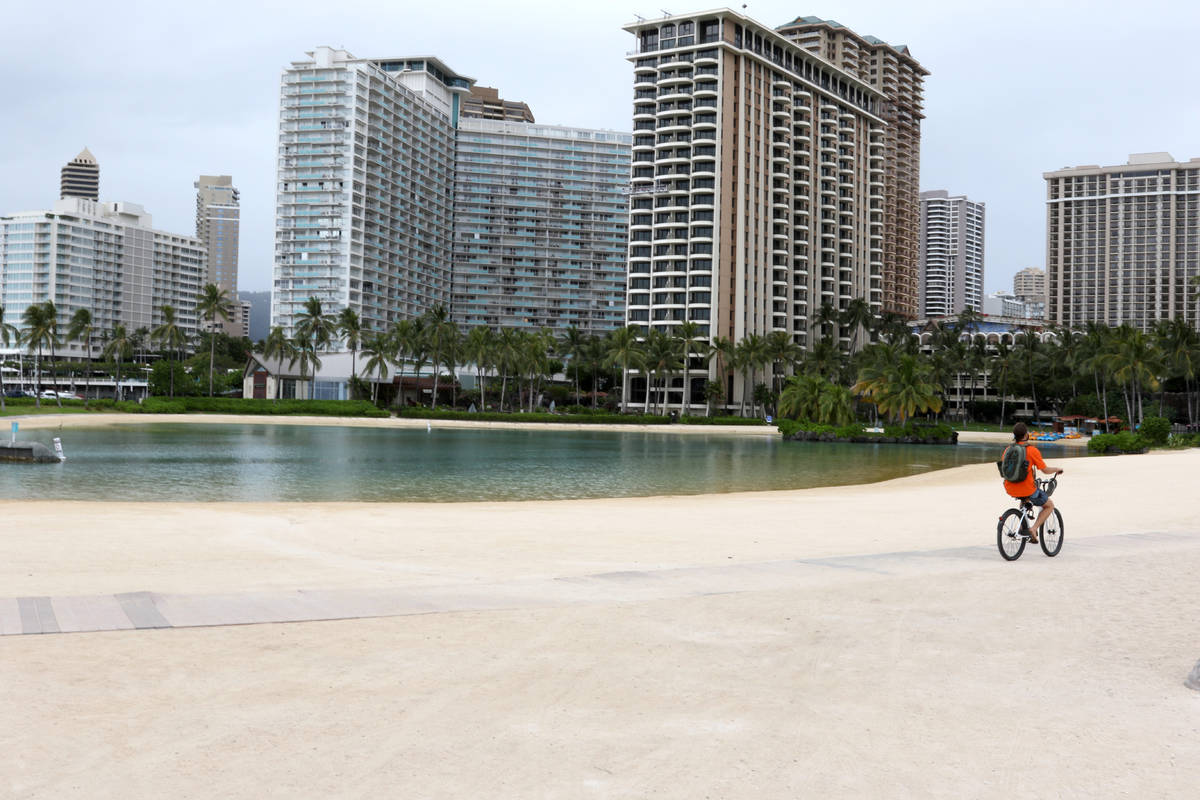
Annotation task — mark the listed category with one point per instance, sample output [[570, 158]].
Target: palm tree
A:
[[782, 353], [376, 348], [824, 359], [480, 349], [592, 354], [693, 341], [305, 351], [907, 388], [440, 329], [857, 316], [82, 330], [751, 353], [1135, 364], [800, 397], [277, 345], [314, 330], [213, 302], [724, 350], [170, 337], [1002, 363], [8, 335], [1027, 349], [661, 356], [349, 327], [118, 347], [1177, 343], [41, 327], [625, 350], [828, 317], [569, 347], [507, 355]]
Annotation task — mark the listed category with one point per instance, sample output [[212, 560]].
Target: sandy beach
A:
[[839, 642]]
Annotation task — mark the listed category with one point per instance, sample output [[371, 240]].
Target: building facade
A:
[[80, 177], [1030, 284], [218, 222], [1006, 304], [365, 186], [757, 189], [951, 254], [484, 102], [891, 70], [103, 257], [540, 226], [1123, 242]]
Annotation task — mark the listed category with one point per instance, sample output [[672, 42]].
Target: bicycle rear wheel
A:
[[1051, 536], [1009, 540]]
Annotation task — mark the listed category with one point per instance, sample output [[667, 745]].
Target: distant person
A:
[[1027, 489]]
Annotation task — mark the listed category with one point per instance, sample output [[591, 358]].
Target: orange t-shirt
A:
[[1026, 487]]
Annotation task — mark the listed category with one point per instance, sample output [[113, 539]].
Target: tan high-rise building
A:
[[80, 177], [1123, 242], [1030, 285], [218, 224], [757, 191], [484, 102], [892, 70]]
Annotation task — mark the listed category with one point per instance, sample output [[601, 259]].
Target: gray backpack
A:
[[1013, 465]]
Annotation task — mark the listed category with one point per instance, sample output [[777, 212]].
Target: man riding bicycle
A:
[[1027, 489]]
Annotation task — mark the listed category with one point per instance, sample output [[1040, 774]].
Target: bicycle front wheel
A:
[[1051, 536], [1009, 540]]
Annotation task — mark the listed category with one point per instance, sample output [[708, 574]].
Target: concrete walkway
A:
[[142, 610]]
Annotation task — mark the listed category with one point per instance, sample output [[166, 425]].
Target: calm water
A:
[[165, 462]]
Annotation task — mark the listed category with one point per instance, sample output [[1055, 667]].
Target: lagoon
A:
[[171, 462]]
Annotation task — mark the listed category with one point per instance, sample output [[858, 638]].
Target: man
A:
[[1027, 489]]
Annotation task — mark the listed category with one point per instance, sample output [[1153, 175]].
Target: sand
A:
[[838, 642]]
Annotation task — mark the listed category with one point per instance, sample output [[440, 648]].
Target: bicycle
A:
[[1012, 532]]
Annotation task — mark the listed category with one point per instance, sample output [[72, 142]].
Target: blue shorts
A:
[[1038, 498]]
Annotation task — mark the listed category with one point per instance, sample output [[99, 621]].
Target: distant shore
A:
[[43, 421]]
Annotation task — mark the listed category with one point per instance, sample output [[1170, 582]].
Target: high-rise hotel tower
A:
[[365, 186], [758, 186], [892, 70], [401, 189], [1123, 242], [951, 256]]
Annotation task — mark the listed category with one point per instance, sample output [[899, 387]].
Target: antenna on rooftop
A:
[[665, 12], [640, 18]]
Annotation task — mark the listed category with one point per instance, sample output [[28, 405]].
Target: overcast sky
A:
[[162, 92]]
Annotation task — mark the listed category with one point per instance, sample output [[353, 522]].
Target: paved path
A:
[[149, 610]]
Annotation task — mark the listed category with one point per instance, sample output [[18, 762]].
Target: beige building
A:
[[484, 102], [1030, 285], [1122, 242], [218, 224], [891, 70], [80, 177], [757, 190]]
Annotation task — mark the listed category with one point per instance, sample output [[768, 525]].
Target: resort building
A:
[[402, 187], [365, 186], [80, 177], [1006, 304], [218, 216], [484, 102], [951, 254], [103, 257], [758, 188], [1123, 242], [1030, 284], [540, 226], [891, 70]]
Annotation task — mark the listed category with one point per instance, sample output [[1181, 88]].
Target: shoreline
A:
[[44, 421]]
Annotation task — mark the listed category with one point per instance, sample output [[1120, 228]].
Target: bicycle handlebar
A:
[[1048, 486]]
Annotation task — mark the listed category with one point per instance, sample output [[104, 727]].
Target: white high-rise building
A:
[[541, 216], [101, 256], [1123, 242], [218, 223], [365, 186], [951, 254]]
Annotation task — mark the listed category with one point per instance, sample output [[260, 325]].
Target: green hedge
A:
[[237, 405], [1155, 430], [1123, 442], [1184, 440], [537, 416], [690, 420]]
